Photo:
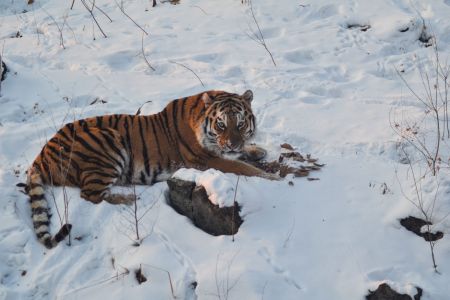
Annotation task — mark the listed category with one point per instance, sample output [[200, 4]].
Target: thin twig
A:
[[60, 29], [168, 274], [200, 9], [258, 37], [123, 274], [123, 11], [145, 58], [91, 11], [136, 220], [102, 11], [187, 68]]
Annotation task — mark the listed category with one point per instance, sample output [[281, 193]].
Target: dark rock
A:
[[385, 292], [192, 202], [414, 224], [180, 193]]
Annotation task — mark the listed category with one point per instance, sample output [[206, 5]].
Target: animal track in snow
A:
[[189, 271], [264, 253]]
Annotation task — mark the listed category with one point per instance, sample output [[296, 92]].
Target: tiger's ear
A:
[[248, 96], [206, 99]]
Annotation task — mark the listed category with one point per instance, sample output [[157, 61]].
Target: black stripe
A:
[[94, 170], [37, 167], [197, 103], [130, 149], [144, 149], [62, 157], [93, 160], [54, 151], [46, 167], [93, 192], [110, 121], [96, 181], [64, 135], [155, 173], [35, 185], [71, 129], [205, 126], [166, 127], [117, 119], [101, 144], [143, 178], [162, 117], [37, 197], [181, 139], [155, 135], [89, 147], [41, 235], [174, 120], [183, 106], [63, 232], [38, 224], [99, 121], [38, 210], [200, 114], [63, 143], [113, 146]]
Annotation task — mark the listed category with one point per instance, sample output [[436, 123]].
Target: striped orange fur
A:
[[96, 153]]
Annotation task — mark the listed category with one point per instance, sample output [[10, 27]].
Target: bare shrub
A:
[[427, 133]]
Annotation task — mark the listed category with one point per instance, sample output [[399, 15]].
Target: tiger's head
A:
[[229, 121]]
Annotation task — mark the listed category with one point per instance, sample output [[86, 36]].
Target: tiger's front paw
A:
[[121, 199], [253, 153]]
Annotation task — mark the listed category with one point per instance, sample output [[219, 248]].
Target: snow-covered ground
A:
[[332, 93]]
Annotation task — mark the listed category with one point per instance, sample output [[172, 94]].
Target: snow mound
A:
[[220, 187]]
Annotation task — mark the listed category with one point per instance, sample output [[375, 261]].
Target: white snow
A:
[[334, 93]]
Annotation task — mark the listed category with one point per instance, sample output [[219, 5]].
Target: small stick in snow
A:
[[168, 274], [184, 66], [60, 28], [123, 11], [91, 11], [145, 58], [258, 37]]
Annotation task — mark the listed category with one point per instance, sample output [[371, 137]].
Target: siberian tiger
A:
[[96, 153]]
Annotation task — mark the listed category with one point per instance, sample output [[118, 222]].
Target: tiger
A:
[[201, 131]]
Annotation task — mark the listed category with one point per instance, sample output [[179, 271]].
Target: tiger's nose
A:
[[234, 145]]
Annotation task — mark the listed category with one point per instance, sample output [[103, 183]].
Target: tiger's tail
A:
[[40, 212]]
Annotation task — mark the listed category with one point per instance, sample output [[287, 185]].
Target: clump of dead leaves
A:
[[290, 162]]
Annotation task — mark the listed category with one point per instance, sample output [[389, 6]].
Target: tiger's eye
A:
[[220, 125]]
